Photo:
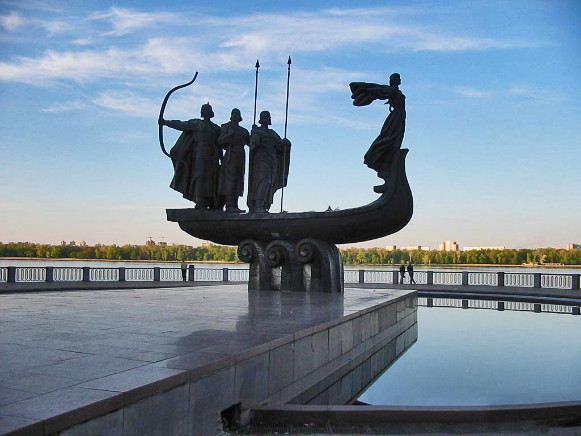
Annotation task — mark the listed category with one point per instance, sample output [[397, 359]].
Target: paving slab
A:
[[70, 356]]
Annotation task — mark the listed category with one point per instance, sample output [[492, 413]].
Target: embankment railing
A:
[[13, 274]]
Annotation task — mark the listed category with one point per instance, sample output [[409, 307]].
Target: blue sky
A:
[[493, 111]]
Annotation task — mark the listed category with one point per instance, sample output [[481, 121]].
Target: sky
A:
[[493, 111]]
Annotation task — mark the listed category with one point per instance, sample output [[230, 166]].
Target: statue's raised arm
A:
[[380, 154]]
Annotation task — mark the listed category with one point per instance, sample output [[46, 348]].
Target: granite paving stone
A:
[[54, 403], [61, 351], [27, 426], [8, 395], [37, 383], [89, 367], [135, 378]]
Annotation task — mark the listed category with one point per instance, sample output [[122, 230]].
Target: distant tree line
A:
[[351, 256]]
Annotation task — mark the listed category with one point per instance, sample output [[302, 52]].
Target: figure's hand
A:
[[161, 121]]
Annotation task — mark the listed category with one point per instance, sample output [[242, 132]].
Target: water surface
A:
[[477, 357]]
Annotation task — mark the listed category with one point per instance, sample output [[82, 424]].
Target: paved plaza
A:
[[65, 351]]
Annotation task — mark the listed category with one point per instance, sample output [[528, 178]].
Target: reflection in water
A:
[[486, 357]]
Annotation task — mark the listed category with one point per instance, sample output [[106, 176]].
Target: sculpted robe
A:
[[232, 139], [380, 154], [269, 166], [196, 157]]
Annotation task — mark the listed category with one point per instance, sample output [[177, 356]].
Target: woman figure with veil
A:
[[380, 154]]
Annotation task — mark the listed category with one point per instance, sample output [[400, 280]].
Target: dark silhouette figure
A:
[[401, 273], [411, 273], [268, 165], [196, 158], [380, 154], [232, 139], [184, 267]]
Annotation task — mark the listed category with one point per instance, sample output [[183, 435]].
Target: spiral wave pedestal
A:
[[308, 265]]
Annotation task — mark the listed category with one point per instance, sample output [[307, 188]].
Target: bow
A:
[[161, 111]]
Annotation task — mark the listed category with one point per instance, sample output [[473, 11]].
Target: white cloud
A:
[[126, 21], [66, 106], [471, 92], [12, 21], [128, 103], [219, 44]]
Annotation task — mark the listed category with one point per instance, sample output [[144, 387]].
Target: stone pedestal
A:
[[308, 265]]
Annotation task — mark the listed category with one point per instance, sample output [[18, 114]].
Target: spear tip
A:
[[289, 60], [257, 64]]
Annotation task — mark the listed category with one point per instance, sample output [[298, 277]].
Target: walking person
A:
[[184, 267], [411, 273], [401, 273]]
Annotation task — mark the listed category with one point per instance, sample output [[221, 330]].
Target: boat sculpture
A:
[[297, 251]]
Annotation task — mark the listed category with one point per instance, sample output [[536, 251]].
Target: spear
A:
[[285, 126], [257, 66]]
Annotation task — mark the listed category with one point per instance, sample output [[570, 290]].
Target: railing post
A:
[[121, 273], [395, 277], [500, 306], [464, 278], [464, 304], [191, 273], [224, 274], [537, 308], [430, 302], [156, 274], [536, 280], [430, 277], [86, 274], [575, 281], [11, 274], [500, 278], [361, 276], [576, 310], [49, 270]]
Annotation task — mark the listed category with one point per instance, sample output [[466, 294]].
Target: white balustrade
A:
[[30, 274], [3, 274], [447, 278], [378, 277], [520, 280], [558, 281], [68, 274], [104, 274], [483, 278], [351, 276], [139, 274], [238, 275], [170, 274], [208, 274]]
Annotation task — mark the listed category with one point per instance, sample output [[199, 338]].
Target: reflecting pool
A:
[[483, 356]]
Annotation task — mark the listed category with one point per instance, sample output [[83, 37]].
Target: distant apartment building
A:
[[415, 247], [448, 246], [493, 247], [390, 247], [573, 246]]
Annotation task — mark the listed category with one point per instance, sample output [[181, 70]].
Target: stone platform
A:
[[149, 361]]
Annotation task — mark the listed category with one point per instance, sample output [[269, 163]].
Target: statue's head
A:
[[394, 79], [265, 118], [236, 115], [207, 111]]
